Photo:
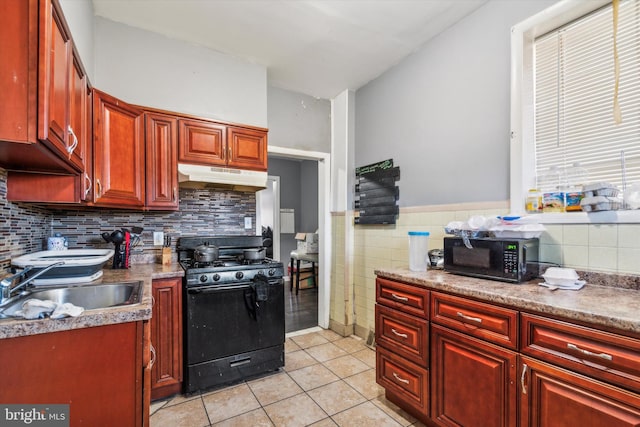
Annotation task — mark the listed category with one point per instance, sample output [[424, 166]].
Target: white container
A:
[[560, 276], [418, 250]]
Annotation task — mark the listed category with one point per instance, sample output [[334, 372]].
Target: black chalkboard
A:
[[377, 193]]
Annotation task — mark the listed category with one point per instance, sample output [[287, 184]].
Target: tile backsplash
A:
[[25, 228], [595, 248]]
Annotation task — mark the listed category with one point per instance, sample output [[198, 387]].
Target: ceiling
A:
[[315, 47]]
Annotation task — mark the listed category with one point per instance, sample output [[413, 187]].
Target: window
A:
[[562, 96]]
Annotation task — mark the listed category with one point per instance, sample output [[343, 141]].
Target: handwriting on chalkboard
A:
[[363, 170]]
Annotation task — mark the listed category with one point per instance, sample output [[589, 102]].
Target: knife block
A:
[[166, 256]]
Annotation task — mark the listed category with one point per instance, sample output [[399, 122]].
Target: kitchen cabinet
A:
[[247, 148], [554, 397], [402, 345], [98, 371], [473, 378], [118, 152], [473, 382], [38, 72], [161, 139], [202, 142], [216, 144], [492, 365], [166, 337]]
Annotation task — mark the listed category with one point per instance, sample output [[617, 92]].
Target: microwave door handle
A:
[[524, 259]]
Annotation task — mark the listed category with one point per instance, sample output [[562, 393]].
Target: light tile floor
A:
[[328, 380]]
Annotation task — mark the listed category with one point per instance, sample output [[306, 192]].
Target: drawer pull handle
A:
[[396, 333], [399, 298], [522, 377], [402, 380], [604, 356], [465, 317]]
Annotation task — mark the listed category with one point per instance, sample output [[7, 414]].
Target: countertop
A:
[[99, 317], [606, 306]]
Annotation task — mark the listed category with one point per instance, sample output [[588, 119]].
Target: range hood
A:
[[237, 179]]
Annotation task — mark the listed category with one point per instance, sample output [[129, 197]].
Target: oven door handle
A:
[[212, 289]]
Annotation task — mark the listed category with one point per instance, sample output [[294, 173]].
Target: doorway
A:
[[324, 229]]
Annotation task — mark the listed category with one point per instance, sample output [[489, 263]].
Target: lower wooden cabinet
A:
[[473, 383], [166, 337], [405, 383], [554, 397], [484, 365], [98, 371]]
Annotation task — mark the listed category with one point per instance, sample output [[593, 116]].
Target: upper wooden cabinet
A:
[[247, 148], [216, 144], [162, 161], [202, 142], [118, 152], [38, 73]]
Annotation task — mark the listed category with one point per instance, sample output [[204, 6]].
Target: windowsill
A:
[[602, 217]]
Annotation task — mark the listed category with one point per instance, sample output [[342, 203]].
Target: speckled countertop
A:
[[607, 306], [98, 317]]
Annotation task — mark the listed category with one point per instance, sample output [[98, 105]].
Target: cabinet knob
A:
[[98, 188]]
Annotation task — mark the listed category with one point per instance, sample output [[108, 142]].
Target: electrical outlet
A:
[[247, 222], [158, 238]]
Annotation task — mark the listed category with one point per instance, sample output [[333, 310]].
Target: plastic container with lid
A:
[[552, 186], [418, 250], [534, 201], [576, 176]]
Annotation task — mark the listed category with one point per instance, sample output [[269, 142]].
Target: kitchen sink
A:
[[90, 297]]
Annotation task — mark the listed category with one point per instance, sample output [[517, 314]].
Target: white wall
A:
[[443, 113], [298, 121], [149, 69], [79, 16]]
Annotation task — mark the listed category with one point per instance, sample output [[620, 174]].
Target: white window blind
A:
[[574, 92]]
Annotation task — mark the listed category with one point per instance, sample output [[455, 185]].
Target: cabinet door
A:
[[118, 146], [202, 142], [166, 337], [161, 161], [473, 382], [553, 397], [79, 121], [97, 371], [18, 70], [247, 148], [54, 92]]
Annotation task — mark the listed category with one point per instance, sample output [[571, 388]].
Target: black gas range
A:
[[234, 313]]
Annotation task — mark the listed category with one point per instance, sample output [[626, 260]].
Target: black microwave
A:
[[509, 260]]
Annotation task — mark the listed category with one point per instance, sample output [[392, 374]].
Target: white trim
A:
[[276, 214], [324, 223]]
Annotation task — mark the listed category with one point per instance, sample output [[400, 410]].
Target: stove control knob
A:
[[260, 272], [203, 278], [239, 275], [216, 277], [272, 271]]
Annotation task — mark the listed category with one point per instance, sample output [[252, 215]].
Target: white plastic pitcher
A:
[[418, 250]]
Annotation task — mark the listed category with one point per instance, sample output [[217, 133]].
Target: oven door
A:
[[227, 320]]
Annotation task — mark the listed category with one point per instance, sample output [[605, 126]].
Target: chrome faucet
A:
[[8, 285]]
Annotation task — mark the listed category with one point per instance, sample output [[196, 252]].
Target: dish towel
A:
[[39, 309]]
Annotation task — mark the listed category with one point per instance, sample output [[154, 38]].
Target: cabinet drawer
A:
[[407, 298], [607, 356], [407, 381], [405, 335], [494, 324]]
